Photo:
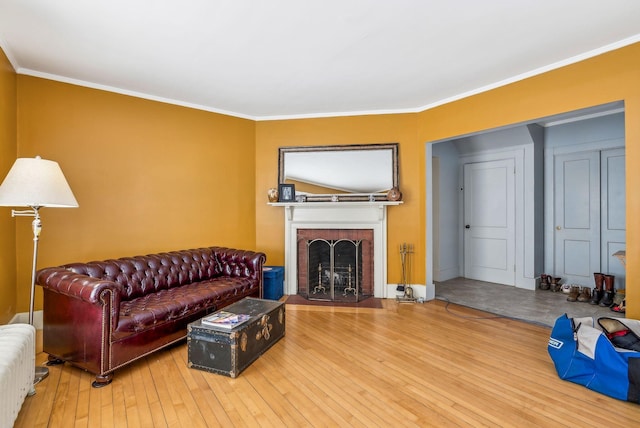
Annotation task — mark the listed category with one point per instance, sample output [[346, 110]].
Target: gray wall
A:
[[585, 131]]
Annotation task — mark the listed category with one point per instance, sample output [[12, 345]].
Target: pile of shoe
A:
[[603, 294], [549, 282]]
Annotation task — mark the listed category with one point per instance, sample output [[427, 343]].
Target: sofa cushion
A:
[[170, 304]]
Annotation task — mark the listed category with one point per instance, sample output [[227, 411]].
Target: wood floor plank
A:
[[324, 398], [39, 413], [235, 408], [169, 402], [189, 414], [280, 390], [261, 412], [264, 382], [94, 413], [108, 407], [409, 365], [134, 404], [354, 390], [83, 407], [144, 380], [57, 414], [211, 408], [119, 402], [205, 402], [137, 399]]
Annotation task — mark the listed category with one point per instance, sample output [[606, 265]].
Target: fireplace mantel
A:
[[336, 215], [291, 206]]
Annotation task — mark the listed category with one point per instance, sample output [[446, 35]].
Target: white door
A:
[[489, 221], [577, 216], [613, 218]]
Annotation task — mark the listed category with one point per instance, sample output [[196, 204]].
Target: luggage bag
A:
[[583, 352]]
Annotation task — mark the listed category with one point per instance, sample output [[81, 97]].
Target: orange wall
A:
[[606, 78], [7, 224], [151, 176], [148, 176], [602, 79], [405, 222]]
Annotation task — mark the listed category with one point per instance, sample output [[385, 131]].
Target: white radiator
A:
[[17, 365]]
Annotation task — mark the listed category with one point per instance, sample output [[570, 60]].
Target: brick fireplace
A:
[[335, 264], [364, 222]]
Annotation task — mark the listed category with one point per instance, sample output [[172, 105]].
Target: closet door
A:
[[613, 233], [577, 216]]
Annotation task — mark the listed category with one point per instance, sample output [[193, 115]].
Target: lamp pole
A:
[[36, 226], [40, 371]]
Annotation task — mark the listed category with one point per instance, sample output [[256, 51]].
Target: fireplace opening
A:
[[335, 265]]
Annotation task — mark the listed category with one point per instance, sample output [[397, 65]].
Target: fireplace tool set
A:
[[406, 251]]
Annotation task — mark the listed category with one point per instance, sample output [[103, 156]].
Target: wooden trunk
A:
[[230, 351]]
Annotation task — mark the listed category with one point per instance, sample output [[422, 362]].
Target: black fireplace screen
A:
[[334, 270]]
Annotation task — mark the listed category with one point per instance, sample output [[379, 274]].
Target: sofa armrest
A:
[[84, 287], [241, 263], [81, 287]]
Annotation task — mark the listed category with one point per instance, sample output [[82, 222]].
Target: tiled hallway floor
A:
[[540, 306]]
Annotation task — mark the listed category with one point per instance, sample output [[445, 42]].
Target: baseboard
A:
[[23, 318], [420, 291], [446, 274], [528, 283]]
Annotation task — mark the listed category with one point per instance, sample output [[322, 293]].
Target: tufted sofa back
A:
[[142, 275]]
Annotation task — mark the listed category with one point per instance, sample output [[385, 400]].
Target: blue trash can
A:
[[273, 280]]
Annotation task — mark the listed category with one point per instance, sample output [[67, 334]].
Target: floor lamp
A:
[[35, 183]]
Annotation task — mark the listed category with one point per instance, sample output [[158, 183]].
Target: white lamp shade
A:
[[36, 182]]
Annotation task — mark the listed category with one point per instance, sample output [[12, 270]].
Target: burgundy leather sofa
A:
[[102, 315]]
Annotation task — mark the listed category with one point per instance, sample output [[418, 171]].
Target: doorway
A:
[[538, 143]]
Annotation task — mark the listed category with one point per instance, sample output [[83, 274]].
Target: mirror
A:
[[353, 172]]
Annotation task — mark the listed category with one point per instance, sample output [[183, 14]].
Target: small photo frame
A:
[[286, 193]]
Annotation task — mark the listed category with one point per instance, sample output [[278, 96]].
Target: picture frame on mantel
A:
[[286, 193]]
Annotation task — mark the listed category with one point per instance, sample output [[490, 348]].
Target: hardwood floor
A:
[[403, 365]]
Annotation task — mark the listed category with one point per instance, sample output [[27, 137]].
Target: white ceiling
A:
[[295, 58]]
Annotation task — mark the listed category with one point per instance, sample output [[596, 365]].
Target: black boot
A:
[[607, 299], [596, 296]]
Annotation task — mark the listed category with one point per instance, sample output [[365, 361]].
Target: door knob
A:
[[558, 228], [467, 227]]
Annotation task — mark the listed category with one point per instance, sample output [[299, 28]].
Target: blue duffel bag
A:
[[583, 352]]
